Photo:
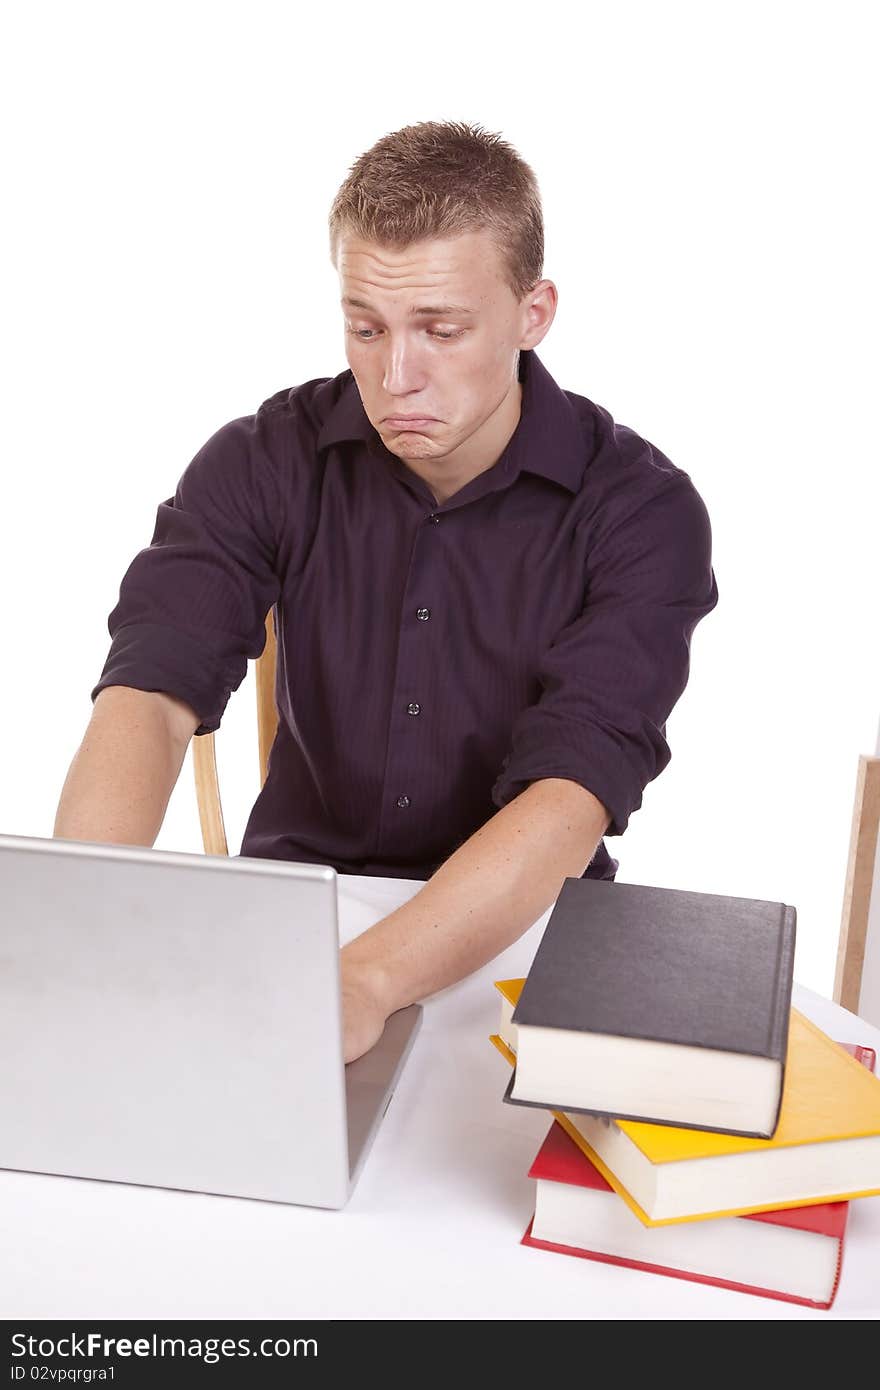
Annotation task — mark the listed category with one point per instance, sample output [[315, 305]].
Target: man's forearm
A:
[[490, 891], [119, 783]]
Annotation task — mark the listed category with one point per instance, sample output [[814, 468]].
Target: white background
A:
[[708, 178]]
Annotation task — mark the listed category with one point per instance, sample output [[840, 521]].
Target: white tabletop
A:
[[433, 1227]]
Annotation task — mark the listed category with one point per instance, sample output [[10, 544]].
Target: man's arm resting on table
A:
[[121, 779], [491, 890]]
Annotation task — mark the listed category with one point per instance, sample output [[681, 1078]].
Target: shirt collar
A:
[[548, 439]]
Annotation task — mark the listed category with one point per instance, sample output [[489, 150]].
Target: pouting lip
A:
[[408, 420]]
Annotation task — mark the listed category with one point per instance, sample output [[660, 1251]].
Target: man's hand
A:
[[363, 1011]]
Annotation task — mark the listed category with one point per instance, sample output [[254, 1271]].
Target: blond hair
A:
[[440, 179]]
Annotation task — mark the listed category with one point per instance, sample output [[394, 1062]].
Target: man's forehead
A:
[[462, 266]]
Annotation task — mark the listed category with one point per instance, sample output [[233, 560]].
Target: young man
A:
[[484, 587]]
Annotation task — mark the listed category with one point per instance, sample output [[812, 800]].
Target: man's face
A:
[[455, 364]]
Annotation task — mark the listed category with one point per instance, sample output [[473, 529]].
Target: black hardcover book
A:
[[658, 1004]]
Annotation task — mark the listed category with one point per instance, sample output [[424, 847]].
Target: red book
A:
[[794, 1254]]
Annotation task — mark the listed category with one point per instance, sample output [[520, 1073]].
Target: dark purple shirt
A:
[[432, 660]]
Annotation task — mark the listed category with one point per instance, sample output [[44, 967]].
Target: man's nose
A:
[[404, 373]]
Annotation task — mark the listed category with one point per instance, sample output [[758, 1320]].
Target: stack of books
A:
[[702, 1127]]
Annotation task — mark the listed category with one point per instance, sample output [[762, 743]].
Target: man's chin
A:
[[409, 445]]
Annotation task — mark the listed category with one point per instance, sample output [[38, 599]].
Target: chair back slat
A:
[[205, 752]]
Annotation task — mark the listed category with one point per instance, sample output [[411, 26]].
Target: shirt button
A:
[[403, 802], [413, 708], [423, 614], [434, 518]]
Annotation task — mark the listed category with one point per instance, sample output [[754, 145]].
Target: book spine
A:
[[837, 1272], [778, 1040], [778, 1043]]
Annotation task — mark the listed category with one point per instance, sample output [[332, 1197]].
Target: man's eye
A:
[[359, 332]]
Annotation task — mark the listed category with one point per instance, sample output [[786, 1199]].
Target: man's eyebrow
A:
[[435, 310]]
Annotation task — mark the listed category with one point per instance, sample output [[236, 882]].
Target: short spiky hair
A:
[[440, 179]]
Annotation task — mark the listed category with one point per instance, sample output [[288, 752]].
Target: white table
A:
[[431, 1231]]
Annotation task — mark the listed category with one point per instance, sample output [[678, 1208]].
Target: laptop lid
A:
[[175, 1019]]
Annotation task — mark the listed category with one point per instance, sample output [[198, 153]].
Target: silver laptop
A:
[[175, 1020]]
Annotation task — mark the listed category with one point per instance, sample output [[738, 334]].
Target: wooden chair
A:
[[205, 754], [860, 875]]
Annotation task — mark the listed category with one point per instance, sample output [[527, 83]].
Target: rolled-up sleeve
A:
[[192, 605], [611, 677]]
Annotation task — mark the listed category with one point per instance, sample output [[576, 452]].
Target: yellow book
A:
[[826, 1147]]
